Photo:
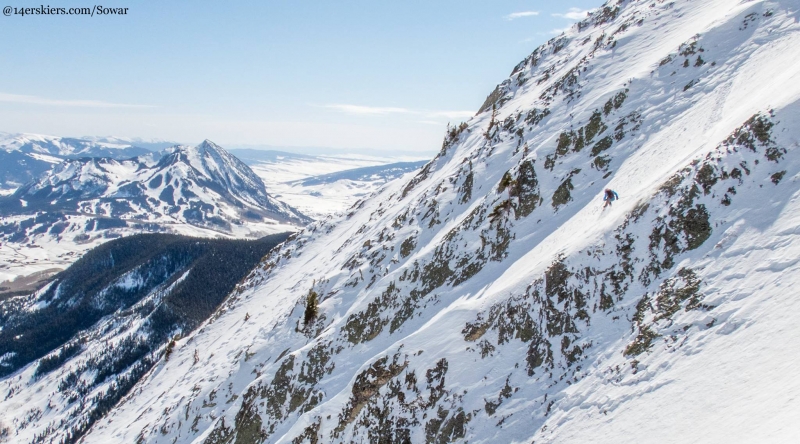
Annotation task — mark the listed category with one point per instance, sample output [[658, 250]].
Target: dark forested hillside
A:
[[132, 296]]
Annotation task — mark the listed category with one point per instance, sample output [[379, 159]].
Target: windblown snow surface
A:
[[491, 299]]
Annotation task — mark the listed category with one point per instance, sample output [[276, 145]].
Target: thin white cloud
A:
[[574, 14], [521, 14], [559, 31], [428, 115], [33, 100], [451, 114], [359, 109]]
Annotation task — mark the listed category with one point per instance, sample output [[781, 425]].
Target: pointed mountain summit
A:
[[215, 167], [211, 167]]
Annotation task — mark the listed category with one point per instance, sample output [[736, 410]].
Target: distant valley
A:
[[320, 186]]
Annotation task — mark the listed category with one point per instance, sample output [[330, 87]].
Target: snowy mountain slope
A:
[[18, 167], [491, 299], [111, 314]]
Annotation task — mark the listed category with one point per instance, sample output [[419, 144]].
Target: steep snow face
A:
[[491, 298]]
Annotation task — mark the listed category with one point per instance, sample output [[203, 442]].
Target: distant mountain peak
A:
[[207, 143], [201, 185]]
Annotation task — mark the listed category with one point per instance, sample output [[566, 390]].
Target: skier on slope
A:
[[609, 196]]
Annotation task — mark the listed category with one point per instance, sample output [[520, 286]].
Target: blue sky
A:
[[386, 75]]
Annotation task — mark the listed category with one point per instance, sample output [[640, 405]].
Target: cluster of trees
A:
[[96, 287], [88, 291]]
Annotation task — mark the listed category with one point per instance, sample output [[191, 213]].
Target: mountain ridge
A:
[[24, 157], [198, 191]]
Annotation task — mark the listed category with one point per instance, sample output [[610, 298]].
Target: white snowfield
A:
[[284, 180], [492, 299]]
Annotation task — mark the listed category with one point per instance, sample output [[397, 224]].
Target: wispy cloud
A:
[[359, 109], [427, 115], [521, 14], [34, 100], [559, 31], [450, 114], [574, 14]]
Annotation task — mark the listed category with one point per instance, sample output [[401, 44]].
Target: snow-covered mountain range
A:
[[491, 298], [71, 147], [24, 157], [204, 185], [80, 203]]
